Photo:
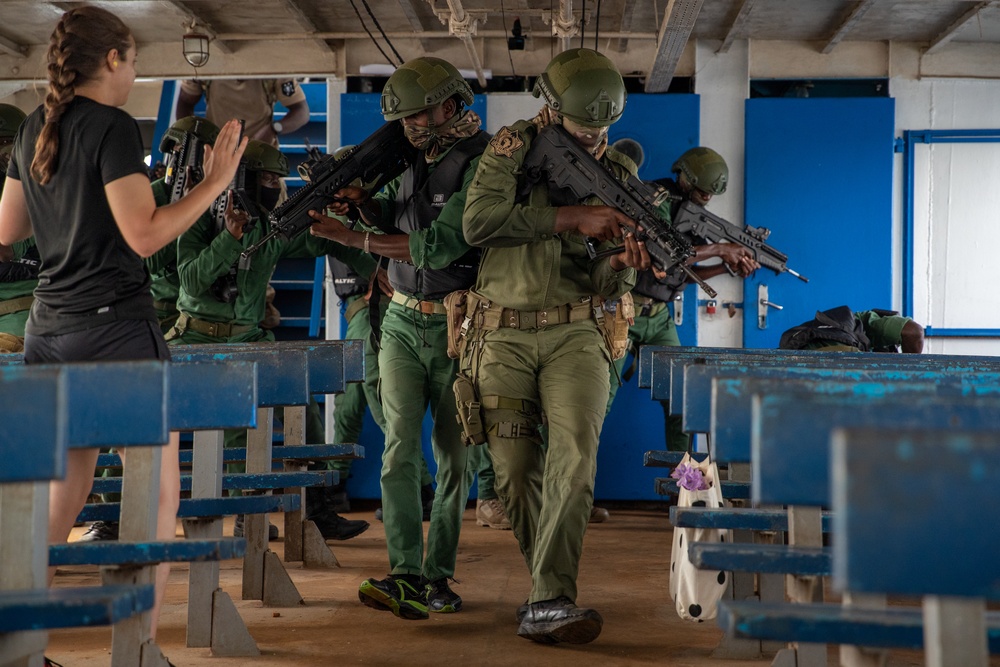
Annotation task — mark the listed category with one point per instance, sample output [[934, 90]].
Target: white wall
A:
[[723, 84], [956, 208]]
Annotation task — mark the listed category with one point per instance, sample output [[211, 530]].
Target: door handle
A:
[[762, 305]]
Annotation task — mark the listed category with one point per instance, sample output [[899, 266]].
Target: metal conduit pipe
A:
[[463, 26]]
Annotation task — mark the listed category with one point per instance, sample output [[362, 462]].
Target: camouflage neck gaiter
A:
[[435, 140]]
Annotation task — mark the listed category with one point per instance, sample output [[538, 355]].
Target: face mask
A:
[[419, 137], [269, 197]]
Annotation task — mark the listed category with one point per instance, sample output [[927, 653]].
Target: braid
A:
[[61, 93], [77, 48]]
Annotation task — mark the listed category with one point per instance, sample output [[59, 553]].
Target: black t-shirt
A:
[[89, 275]]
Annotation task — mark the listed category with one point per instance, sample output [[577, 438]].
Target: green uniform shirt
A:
[[526, 265], [442, 242], [13, 323], [203, 255], [162, 265], [882, 330]]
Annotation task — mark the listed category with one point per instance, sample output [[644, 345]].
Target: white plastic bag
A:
[[696, 593]]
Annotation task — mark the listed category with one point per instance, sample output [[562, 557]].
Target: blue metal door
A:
[[819, 176]]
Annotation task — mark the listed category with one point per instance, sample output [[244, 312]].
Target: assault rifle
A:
[[694, 221], [378, 159], [185, 162], [555, 156]]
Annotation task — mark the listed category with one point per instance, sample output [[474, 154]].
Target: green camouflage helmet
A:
[[10, 119], [420, 84], [584, 86], [704, 169], [203, 129], [259, 156]]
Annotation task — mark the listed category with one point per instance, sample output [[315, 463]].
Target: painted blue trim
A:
[[943, 332], [316, 309], [910, 139], [163, 116]]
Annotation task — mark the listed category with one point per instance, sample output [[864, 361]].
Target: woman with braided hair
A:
[[77, 181]]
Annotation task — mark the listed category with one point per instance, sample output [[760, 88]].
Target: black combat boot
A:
[[331, 525]]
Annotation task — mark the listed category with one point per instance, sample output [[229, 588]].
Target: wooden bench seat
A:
[[145, 553], [50, 608]]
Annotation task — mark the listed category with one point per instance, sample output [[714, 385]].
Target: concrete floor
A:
[[623, 575]]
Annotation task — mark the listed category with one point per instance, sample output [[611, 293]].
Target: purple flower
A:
[[689, 477]]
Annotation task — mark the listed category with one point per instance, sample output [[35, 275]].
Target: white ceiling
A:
[[646, 37]]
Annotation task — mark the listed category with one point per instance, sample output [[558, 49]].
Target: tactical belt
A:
[[16, 305], [497, 317], [425, 307], [217, 329], [165, 306], [648, 307], [356, 307]]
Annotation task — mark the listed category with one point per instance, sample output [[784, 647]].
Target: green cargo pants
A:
[[419, 375], [547, 491], [349, 407]]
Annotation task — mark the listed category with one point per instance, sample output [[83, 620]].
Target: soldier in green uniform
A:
[[163, 265], [428, 261], [18, 262], [534, 350], [221, 302], [700, 173], [840, 329]]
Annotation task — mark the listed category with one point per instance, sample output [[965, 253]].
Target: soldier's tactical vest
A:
[[647, 285], [418, 203], [346, 282], [837, 325]]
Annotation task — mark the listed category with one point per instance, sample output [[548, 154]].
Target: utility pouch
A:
[[470, 415], [613, 319], [456, 303]]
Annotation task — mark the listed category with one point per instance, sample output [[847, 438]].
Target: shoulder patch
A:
[[288, 88], [506, 142]]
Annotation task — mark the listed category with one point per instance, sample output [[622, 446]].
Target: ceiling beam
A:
[[738, 29], [12, 47], [849, 24], [628, 9], [678, 24], [430, 34], [202, 23], [300, 17], [409, 10], [951, 31]]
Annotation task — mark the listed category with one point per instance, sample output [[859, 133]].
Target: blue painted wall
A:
[[819, 176]]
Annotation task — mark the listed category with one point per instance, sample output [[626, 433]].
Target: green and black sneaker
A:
[[397, 594], [440, 598]]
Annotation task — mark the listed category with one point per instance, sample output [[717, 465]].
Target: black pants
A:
[[121, 340]]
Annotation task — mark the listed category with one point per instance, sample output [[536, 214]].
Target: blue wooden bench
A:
[[894, 492], [791, 464], [36, 404], [33, 406], [288, 373], [701, 364]]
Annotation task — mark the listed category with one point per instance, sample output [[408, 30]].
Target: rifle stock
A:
[[557, 157], [378, 159], [695, 221]]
